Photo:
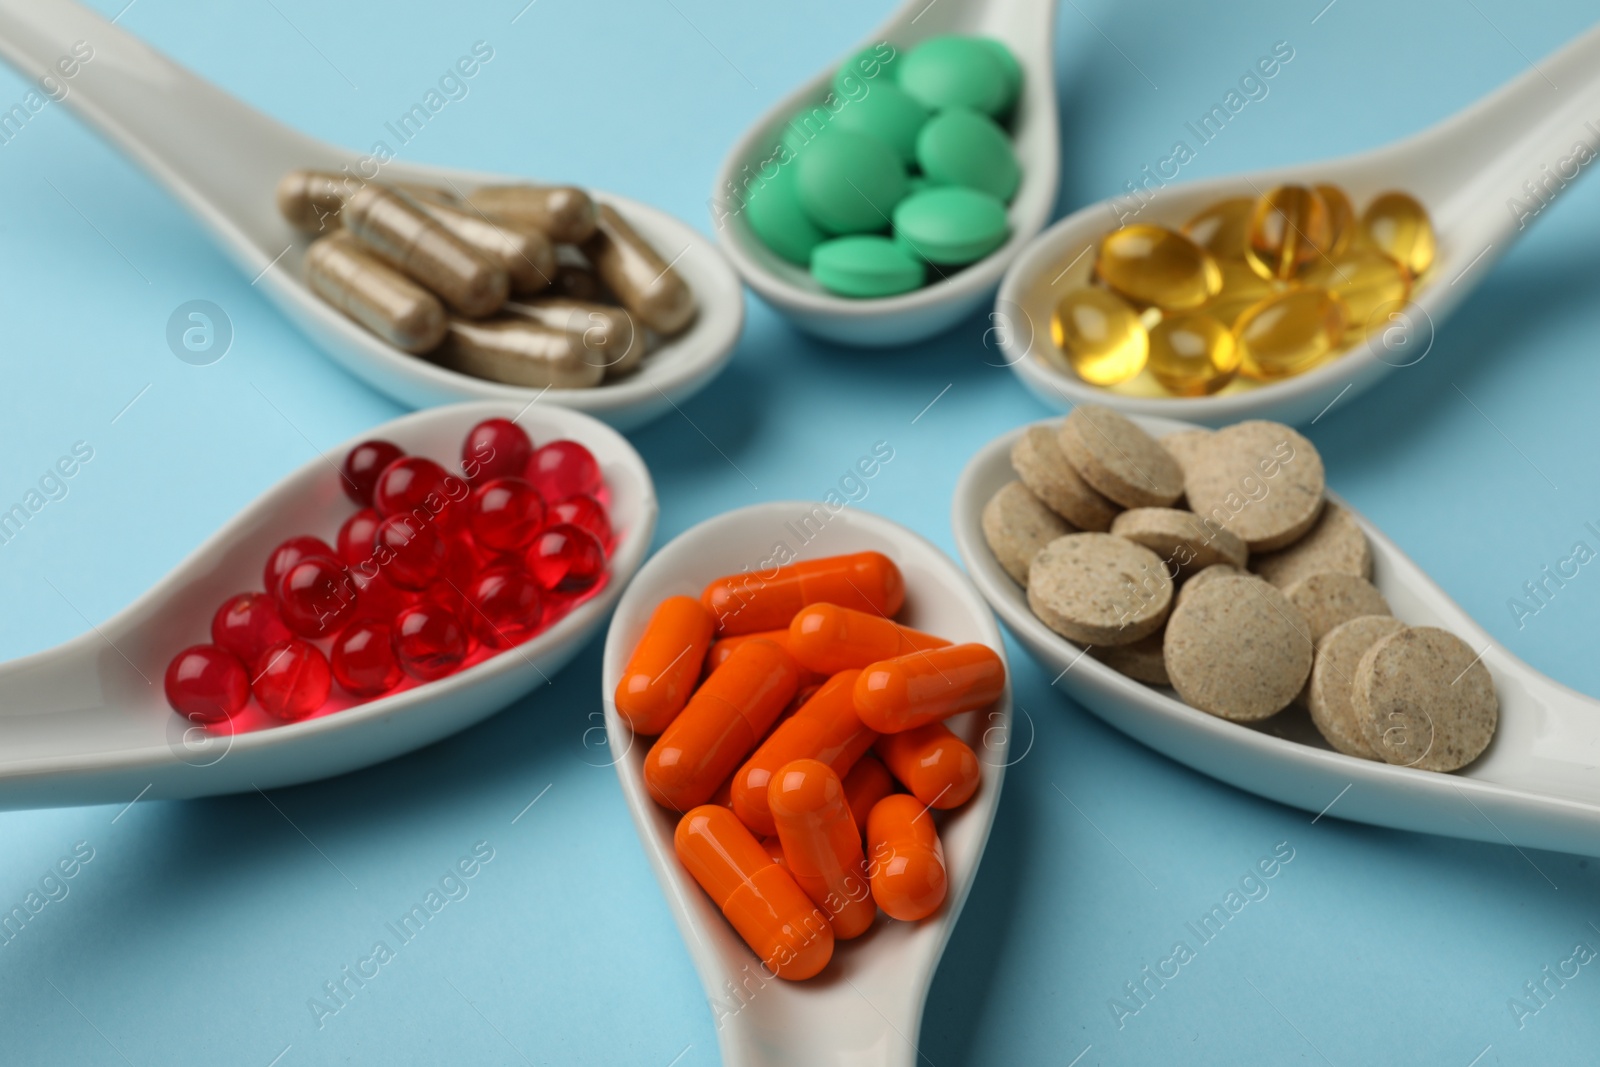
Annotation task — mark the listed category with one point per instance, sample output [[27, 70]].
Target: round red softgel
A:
[[584, 510], [563, 468], [408, 553], [355, 536], [247, 625], [363, 464], [292, 680], [406, 484], [506, 606], [364, 662], [377, 598], [495, 448], [286, 555], [429, 640], [566, 559], [504, 515], [205, 683], [317, 596]]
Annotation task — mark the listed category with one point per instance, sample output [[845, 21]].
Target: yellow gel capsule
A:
[[1290, 333], [1367, 281], [1193, 354], [1396, 224], [1242, 289], [1341, 218], [1223, 229], [1100, 335], [1155, 265], [1289, 229]]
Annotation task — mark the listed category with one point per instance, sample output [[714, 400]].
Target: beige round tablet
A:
[[1142, 661], [1118, 458], [1210, 574], [1039, 462], [1237, 648], [1424, 699], [1335, 545], [1327, 600], [1185, 541], [1097, 589], [1184, 445], [1332, 674], [1017, 525], [1261, 480]]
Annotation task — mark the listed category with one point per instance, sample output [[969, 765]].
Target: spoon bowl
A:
[[866, 1005], [1537, 785], [222, 160], [87, 722], [1027, 27], [1466, 171]]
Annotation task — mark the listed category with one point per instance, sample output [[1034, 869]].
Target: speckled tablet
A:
[[1119, 459], [1333, 674], [1330, 599], [1143, 661], [1098, 589], [1237, 648], [1017, 525], [1262, 480], [1039, 462], [1181, 538], [1335, 545], [1424, 699]]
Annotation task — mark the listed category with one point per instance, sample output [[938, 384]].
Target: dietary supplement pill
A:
[[866, 266], [562, 213], [645, 283], [928, 686], [905, 859], [828, 638], [960, 146], [849, 182], [953, 71], [399, 232], [1397, 225], [1100, 335], [665, 664], [951, 225], [311, 200], [1152, 265], [606, 334], [821, 845], [939, 768], [374, 294], [518, 352], [527, 256], [865, 581]]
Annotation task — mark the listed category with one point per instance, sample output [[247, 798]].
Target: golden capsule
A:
[[527, 256], [1290, 333], [1193, 354], [1100, 335], [1289, 229], [518, 352], [565, 214], [644, 283], [607, 334], [1242, 289], [1155, 265], [371, 292], [1223, 229], [311, 199], [1367, 281], [1342, 223], [402, 234], [1396, 224]]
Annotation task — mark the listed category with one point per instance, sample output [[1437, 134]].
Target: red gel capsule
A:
[[566, 559], [364, 662], [247, 625], [563, 468], [206, 684], [505, 606], [504, 515], [409, 553], [363, 464], [495, 448], [356, 536], [317, 597], [429, 640], [286, 555], [292, 680], [584, 510], [865, 581], [421, 487], [911, 691], [377, 598]]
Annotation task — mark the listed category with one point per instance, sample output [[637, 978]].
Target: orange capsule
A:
[[724, 720], [822, 845], [744, 603], [868, 782], [723, 647], [906, 861], [774, 849], [939, 768], [777, 920], [910, 691], [830, 639], [825, 728], [665, 664]]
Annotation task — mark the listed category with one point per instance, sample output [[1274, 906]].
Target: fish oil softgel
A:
[[1249, 290], [538, 286], [767, 697]]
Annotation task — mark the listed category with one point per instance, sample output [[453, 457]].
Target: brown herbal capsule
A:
[[646, 284], [312, 199], [527, 256], [432, 193], [564, 213], [606, 334], [578, 282], [518, 352], [403, 235], [371, 292]]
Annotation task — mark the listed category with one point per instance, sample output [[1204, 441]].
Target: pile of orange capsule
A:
[[1256, 289], [789, 710]]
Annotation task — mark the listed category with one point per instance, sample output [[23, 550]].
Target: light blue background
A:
[[200, 929]]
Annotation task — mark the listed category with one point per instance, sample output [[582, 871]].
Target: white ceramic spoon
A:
[[1537, 786], [865, 1008], [87, 722], [1028, 28], [222, 160], [1464, 170]]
